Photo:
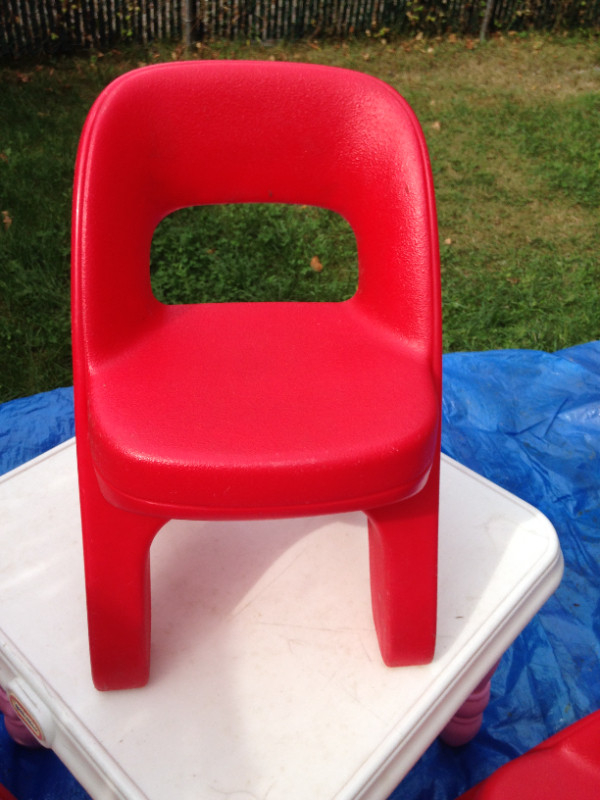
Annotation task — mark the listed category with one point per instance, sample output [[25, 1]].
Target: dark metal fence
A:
[[30, 27]]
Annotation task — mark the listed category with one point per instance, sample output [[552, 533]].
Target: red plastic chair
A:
[[565, 765], [257, 410]]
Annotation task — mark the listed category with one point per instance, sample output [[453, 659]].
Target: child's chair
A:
[[257, 410], [565, 765]]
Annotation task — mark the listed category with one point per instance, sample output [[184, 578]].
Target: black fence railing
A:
[[31, 27]]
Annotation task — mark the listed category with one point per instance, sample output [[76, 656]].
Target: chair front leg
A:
[[116, 547]]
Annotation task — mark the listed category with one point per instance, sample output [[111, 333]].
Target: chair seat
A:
[[220, 408]]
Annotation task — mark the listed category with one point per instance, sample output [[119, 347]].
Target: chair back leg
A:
[[403, 544]]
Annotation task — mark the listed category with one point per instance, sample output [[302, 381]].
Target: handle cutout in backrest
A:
[[253, 253]]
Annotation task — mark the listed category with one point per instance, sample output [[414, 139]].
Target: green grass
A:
[[512, 128], [41, 113], [253, 253]]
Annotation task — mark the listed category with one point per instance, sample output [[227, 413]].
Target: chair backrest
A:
[[193, 133]]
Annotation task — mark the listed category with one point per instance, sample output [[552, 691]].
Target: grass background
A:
[[513, 132]]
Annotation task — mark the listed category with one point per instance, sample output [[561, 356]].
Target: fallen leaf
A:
[[448, 241], [6, 219], [437, 125], [315, 264]]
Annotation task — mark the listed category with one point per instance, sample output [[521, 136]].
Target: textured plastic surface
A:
[[283, 668], [260, 410], [566, 765]]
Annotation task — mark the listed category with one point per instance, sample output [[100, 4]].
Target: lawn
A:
[[512, 127]]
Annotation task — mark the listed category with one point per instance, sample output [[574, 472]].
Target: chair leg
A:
[[403, 541], [116, 546]]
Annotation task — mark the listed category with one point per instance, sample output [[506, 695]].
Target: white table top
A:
[[266, 678]]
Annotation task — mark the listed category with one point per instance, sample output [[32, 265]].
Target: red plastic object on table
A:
[[254, 410], [565, 765]]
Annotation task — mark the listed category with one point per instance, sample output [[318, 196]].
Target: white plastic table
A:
[[266, 676]]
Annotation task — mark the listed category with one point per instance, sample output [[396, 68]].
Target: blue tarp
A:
[[527, 420]]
